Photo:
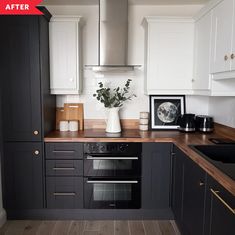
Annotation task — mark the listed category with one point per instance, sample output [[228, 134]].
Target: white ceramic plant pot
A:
[[113, 122]]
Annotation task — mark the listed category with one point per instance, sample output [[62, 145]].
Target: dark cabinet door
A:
[[23, 176], [177, 184], [20, 75], [193, 198], [220, 210], [156, 175]]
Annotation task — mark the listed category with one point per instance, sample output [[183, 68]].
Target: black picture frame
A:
[[165, 111]]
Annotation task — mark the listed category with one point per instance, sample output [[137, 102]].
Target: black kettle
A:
[[187, 122]]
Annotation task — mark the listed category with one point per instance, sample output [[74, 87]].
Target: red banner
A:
[[19, 7]]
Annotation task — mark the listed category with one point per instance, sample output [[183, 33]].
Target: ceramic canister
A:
[[64, 125], [144, 115], [73, 125]]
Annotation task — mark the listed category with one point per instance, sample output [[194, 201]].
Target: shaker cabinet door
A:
[[201, 80], [220, 213], [177, 185], [193, 198], [64, 55], [20, 75], [222, 28], [23, 176], [168, 44], [156, 176], [233, 41]]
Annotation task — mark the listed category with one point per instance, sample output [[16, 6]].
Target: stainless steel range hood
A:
[[113, 36]]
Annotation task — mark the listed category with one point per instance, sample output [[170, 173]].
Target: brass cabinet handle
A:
[[36, 152], [225, 57], [36, 132], [232, 56], [222, 200], [64, 194], [201, 183]]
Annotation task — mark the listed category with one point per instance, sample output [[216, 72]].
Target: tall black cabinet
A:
[[28, 109]]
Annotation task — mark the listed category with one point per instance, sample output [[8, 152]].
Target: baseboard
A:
[[3, 217], [92, 214]]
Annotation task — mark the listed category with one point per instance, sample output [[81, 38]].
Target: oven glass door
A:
[[100, 166], [112, 193]]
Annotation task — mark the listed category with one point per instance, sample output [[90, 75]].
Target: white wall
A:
[[223, 110], [93, 109]]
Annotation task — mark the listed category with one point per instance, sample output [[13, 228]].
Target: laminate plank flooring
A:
[[91, 227]]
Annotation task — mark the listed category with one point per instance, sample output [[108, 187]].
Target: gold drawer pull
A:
[[63, 168], [201, 183], [222, 200], [64, 194], [232, 56]]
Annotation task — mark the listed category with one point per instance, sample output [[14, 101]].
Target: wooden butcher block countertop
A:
[[181, 140]]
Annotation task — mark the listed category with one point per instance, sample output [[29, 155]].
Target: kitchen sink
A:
[[222, 153], [221, 156]]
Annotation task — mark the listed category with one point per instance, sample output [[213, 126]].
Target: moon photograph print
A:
[[165, 110]]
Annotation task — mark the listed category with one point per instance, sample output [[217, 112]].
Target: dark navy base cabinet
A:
[[220, 219], [193, 198], [177, 185], [64, 175], [201, 206], [23, 176], [188, 194], [156, 174]]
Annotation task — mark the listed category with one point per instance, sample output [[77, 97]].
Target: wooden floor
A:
[[124, 227]]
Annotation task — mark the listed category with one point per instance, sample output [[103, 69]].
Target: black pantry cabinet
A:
[[28, 109], [27, 106]]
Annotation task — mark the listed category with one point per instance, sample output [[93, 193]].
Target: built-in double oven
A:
[[112, 175]]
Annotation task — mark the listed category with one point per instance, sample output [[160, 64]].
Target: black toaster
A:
[[204, 123]]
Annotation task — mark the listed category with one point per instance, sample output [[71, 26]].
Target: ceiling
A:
[[135, 2]]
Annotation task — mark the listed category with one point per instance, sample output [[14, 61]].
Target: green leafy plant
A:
[[113, 97]]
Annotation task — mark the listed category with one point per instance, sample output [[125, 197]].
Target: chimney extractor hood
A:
[[113, 36]]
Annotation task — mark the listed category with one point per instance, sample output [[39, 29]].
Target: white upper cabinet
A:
[[233, 40], [168, 55], [65, 69], [223, 40], [201, 80]]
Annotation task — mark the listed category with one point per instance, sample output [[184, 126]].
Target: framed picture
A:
[[165, 111]]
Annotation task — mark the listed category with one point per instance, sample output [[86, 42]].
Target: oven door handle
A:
[[111, 158], [112, 181]]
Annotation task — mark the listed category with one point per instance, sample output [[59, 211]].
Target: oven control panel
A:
[[112, 148]]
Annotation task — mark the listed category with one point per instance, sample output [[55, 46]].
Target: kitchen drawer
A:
[[64, 150], [64, 192], [64, 167]]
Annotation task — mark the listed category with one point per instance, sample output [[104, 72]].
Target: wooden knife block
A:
[[71, 112]]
